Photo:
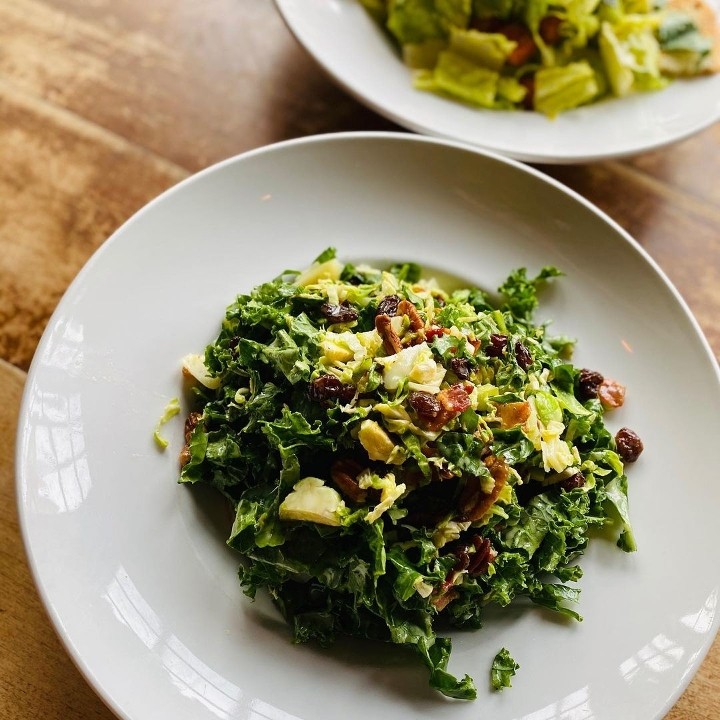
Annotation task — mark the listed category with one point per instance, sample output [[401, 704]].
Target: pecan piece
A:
[[405, 307], [391, 340], [344, 474], [474, 503]]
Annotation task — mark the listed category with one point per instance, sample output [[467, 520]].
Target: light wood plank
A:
[[65, 185], [680, 232], [692, 165], [193, 82]]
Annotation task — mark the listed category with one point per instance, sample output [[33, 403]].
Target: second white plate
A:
[[356, 52]]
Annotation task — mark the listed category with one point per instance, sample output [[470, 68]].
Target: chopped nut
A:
[[391, 340], [405, 307]]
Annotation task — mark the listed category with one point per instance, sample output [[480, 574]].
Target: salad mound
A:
[[549, 55], [400, 456]]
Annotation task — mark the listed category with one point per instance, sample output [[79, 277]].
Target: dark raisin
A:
[[344, 474], [233, 345], [488, 25], [523, 356], [461, 368], [388, 305], [342, 313], [629, 445], [328, 387], [573, 482], [496, 345], [589, 383], [424, 404]]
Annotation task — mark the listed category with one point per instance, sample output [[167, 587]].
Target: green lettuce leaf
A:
[[558, 89], [503, 669], [415, 21]]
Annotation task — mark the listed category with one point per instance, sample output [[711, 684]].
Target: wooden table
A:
[[104, 104]]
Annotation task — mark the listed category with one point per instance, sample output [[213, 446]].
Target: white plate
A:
[[132, 567], [354, 50]]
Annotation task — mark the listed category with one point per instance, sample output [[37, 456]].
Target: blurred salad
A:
[[400, 456], [548, 55]]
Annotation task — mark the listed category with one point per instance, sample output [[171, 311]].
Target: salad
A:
[[549, 55], [399, 456]]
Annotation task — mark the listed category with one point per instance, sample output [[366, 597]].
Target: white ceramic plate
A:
[[133, 568], [346, 42]]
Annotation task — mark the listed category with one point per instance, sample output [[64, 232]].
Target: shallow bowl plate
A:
[[356, 52], [133, 568]]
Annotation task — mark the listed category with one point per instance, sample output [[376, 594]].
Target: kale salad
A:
[[400, 456]]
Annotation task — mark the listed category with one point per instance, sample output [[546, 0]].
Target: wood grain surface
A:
[[104, 104]]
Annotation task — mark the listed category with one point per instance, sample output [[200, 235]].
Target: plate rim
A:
[[539, 158], [20, 471]]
